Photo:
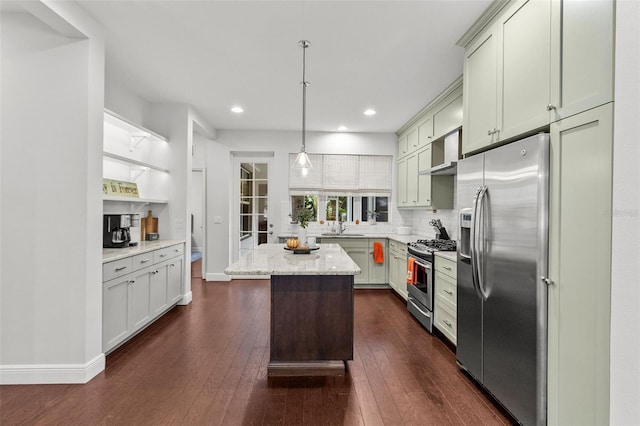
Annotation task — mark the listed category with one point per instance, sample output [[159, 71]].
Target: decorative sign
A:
[[120, 188]]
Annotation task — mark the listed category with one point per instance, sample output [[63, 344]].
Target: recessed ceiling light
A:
[[343, 128], [237, 109], [370, 112]]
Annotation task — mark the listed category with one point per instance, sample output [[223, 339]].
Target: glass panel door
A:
[[254, 192]]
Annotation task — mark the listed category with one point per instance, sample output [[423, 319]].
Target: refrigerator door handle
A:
[[481, 242], [474, 242]]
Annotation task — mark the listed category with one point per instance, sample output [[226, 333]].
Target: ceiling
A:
[[392, 56]]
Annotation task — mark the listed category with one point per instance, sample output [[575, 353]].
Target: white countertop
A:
[[111, 254], [392, 236], [451, 255], [273, 259]]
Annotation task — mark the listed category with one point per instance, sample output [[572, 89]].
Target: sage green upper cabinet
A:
[[480, 91], [403, 148], [402, 183], [424, 181], [529, 63], [448, 118], [412, 180], [582, 55], [425, 133], [524, 32], [412, 140], [506, 73]]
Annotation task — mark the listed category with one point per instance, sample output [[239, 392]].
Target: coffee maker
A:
[[115, 230]]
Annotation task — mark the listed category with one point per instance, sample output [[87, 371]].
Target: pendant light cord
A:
[[304, 44]]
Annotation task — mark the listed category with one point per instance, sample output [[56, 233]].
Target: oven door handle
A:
[[424, 265]]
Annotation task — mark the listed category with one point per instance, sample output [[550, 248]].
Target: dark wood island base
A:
[[311, 324]]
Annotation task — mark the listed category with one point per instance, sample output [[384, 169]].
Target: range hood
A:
[[444, 154]]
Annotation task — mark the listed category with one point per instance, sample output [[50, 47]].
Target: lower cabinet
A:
[[445, 297], [131, 299], [360, 250], [398, 268]]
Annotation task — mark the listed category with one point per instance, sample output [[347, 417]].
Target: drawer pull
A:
[[177, 250], [144, 260], [173, 265], [163, 255], [121, 269], [448, 268], [449, 292], [447, 323], [131, 281]]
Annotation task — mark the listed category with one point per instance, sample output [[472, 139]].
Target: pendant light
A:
[[302, 163]]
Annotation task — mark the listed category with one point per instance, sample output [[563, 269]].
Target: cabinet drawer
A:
[[168, 253], [142, 260], [397, 246], [116, 269], [446, 266], [445, 321], [445, 288]]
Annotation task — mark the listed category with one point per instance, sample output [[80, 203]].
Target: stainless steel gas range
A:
[[420, 274]]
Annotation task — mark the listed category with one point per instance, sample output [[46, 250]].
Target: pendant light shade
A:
[[303, 163]]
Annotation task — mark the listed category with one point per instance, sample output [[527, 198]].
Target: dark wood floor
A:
[[206, 363]]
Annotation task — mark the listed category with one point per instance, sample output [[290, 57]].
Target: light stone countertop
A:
[[273, 259], [451, 255], [404, 239], [111, 254]]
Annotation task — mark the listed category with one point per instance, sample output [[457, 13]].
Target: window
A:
[[299, 202], [378, 206], [338, 207]]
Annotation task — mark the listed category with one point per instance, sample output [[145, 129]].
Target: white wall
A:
[[625, 281], [51, 281]]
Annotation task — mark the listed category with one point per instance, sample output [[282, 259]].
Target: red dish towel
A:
[[411, 271], [378, 252]]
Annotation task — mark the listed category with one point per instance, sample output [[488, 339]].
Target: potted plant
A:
[[302, 217]]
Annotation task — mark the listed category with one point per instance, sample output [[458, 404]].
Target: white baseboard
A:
[[186, 299], [217, 277], [51, 373]]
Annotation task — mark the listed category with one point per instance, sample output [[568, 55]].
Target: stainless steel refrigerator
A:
[[502, 269]]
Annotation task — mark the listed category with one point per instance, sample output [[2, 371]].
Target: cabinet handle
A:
[[172, 265], [163, 255], [492, 131], [447, 322], [144, 260], [131, 281], [429, 137], [177, 250], [448, 268], [449, 292], [547, 281], [121, 269], [551, 107]]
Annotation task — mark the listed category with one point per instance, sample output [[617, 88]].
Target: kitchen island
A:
[[311, 307]]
